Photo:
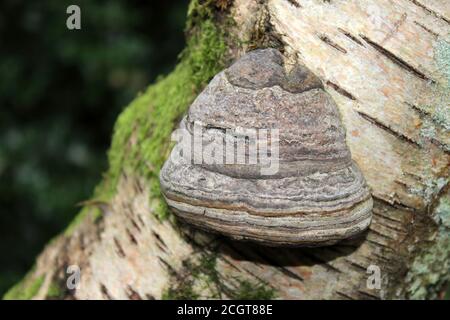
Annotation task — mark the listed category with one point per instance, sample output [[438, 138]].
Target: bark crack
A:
[[341, 90], [388, 129], [430, 11], [331, 43], [397, 60]]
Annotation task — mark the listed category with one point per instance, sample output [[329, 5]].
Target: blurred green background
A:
[[60, 92]]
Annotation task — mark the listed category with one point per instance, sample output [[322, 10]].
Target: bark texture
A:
[[385, 63]]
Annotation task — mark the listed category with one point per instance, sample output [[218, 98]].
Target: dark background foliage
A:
[[60, 92]]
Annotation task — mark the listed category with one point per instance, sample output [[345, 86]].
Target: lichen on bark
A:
[[431, 270]]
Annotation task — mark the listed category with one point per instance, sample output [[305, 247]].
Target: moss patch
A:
[[183, 291], [201, 280], [24, 290], [28, 288], [93, 212], [250, 291], [55, 291], [194, 277]]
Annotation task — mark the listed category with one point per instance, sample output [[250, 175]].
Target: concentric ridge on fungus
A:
[[318, 195]]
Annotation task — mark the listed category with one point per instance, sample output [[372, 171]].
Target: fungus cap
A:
[[316, 196]]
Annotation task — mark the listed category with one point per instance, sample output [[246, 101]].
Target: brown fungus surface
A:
[[315, 196]]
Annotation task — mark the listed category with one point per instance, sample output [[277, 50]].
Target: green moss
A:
[[250, 291], [202, 271], [184, 291], [198, 11], [55, 291], [93, 212], [25, 289], [208, 265], [28, 288], [202, 276]]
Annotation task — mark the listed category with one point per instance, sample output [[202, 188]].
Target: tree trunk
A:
[[386, 64]]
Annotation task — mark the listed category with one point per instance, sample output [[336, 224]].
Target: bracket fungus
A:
[[261, 156]]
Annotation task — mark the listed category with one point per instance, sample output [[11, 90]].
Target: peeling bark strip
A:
[[340, 90], [350, 36], [294, 3], [397, 60], [133, 295], [408, 233], [119, 248], [105, 292], [388, 129], [432, 12], [331, 43], [395, 204], [131, 237], [426, 29], [420, 111], [160, 240]]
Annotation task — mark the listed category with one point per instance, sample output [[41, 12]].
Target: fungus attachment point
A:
[[261, 156]]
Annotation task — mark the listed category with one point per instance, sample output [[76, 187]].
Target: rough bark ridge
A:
[[386, 64]]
